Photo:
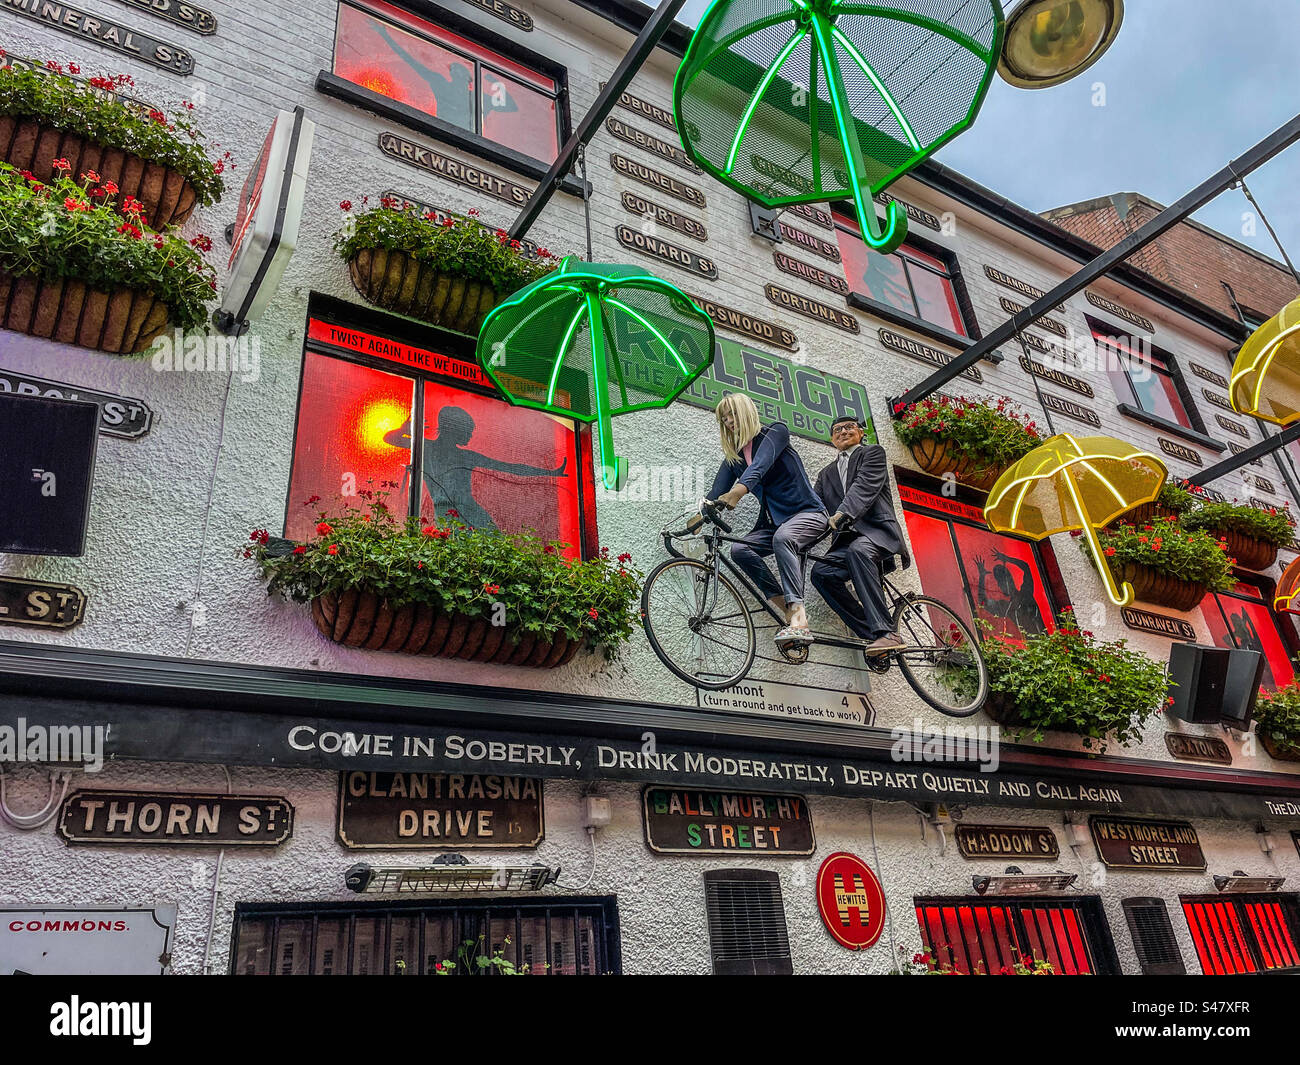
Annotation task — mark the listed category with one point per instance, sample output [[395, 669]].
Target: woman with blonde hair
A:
[[791, 517]]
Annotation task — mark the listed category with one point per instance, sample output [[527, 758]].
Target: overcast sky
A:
[[1188, 87]]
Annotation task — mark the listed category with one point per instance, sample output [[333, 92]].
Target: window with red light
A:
[[1249, 934], [977, 937], [479, 459], [444, 74], [909, 280], [981, 574], [1241, 618], [1143, 376]]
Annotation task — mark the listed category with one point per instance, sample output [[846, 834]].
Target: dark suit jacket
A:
[[867, 502], [776, 476]]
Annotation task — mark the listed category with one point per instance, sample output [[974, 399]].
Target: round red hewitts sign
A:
[[851, 901]]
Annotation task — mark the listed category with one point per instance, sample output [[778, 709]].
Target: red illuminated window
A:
[[395, 54], [1143, 376], [986, 938], [497, 466], [908, 280], [1241, 618], [1250, 934], [981, 574]]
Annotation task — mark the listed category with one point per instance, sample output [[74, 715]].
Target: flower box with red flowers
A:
[[971, 440], [1251, 536], [47, 114], [1277, 722], [442, 588], [75, 270], [1166, 564], [442, 270]]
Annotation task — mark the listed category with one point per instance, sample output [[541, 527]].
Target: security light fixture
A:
[[453, 874], [1016, 883], [1050, 41], [1240, 882]]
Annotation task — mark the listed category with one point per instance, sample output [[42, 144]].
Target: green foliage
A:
[[458, 570], [65, 230], [1070, 681], [470, 955], [92, 109], [926, 964], [1178, 497], [465, 248], [1167, 547], [994, 435], [1278, 713], [1272, 526]]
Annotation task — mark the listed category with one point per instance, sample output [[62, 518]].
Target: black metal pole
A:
[[651, 33], [1256, 156], [1263, 447]]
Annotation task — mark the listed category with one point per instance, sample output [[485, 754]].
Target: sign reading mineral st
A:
[[796, 702], [175, 817], [688, 821], [429, 811], [1169, 846], [851, 901]]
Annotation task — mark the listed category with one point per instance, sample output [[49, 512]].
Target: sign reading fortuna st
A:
[[689, 821]]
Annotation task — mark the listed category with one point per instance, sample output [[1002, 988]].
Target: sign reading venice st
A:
[[686, 821], [175, 817], [851, 901]]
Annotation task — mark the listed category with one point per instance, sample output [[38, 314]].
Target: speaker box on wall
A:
[[1245, 671], [1198, 681], [47, 467]]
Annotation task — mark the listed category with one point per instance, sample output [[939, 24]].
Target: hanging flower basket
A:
[[122, 322], [938, 457], [973, 441], [364, 619], [1250, 551], [1160, 589], [1279, 750], [1251, 536], [444, 271]]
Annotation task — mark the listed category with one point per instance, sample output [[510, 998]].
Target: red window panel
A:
[[983, 938], [1217, 934], [1271, 932], [1240, 619]]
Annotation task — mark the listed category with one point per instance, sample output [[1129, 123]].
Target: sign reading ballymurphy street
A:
[[506, 13], [105, 32], [811, 308], [40, 604], [663, 182], [118, 415], [175, 817], [669, 253], [651, 211], [1007, 841], [430, 811], [687, 821], [924, 353], [645, 141], [1169, 846], [472, 177]]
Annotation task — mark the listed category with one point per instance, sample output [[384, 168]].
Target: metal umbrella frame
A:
[[525, 352], [1090, 481]]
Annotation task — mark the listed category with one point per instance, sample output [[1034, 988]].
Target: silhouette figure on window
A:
[[1246, 636], [884, 286], [1018, 604], [455, 94], [449, 466]]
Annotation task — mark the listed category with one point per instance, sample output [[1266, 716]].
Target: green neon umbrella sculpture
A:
[[594, 340], [800, 101]]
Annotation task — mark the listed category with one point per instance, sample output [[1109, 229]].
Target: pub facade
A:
[[198, 779]]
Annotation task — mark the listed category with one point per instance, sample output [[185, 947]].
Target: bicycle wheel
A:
[[942, 660], [698, 626]]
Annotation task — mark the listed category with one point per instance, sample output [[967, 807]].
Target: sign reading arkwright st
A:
[[120, 416], [1007, 841], [690, 821], [462, 173], [105, 32], [430, 811], [175, 817], [1170, 846], [40, 604], [663, 182], [924, 352]]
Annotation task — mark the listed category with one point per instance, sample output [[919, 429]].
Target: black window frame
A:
[[953, 275], [332, 84], [754, 965], [1289, 903], [469, 915], [1142, 946], [445, 342]]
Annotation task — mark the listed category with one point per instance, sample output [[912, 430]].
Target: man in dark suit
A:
[[855, 489]]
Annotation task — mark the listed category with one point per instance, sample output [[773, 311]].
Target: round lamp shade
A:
[[1050, 41], [1266, 375]]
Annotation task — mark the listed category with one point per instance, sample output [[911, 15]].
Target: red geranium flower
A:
[[324, 529], [346, 205], [333, 549], [593, 613], [491, 589]]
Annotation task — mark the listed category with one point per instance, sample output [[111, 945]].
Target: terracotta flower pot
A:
[[362, 619], [167, 195], [937, 457], [395, 281], [1160, 589], [1250, 552], [1144, 514], [1277, 750], [121, 322]]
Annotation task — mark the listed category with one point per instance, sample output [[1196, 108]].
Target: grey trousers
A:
[[794, 536], [867, 616]]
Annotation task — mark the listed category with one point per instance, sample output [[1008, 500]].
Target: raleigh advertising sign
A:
[[247, 738], [686, 821]]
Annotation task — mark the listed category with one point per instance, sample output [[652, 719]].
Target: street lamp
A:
[[1050, 41]]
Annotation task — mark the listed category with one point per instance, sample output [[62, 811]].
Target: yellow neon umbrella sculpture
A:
[[1070, 482], [1288, 589], [1266, 376]]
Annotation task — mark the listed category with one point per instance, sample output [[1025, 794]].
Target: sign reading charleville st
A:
[[1198, 748], [137, 45], [429, 811], [1007, 841], [923, 352], [687, 821], [176, 817], [1171, 846], [811, 308], [648, 209], [670, 253]]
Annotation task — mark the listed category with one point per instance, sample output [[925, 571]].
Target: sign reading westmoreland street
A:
[[461, 173], [118, 415], [175, 817], [105, 32], [1170, 846], [40, 604], [1007, 841], [687, 821], [428, 811]]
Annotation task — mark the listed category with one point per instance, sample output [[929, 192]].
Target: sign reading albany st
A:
[[1172, 846], [645, 141], [688, 821], [439, 810], [175, 817], [78, 23]]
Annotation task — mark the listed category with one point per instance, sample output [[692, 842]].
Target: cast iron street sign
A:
[[687, 821], [175, 817]]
